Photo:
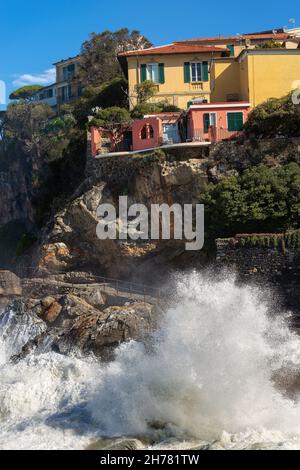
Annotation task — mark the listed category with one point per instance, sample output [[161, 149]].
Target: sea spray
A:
[[211, 368], [207, 373]]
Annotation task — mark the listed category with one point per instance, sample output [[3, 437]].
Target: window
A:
[[65, 93], [235, 121], [232, 97], [196, 71], [69, 72], [46, 94], [231, 49], [80, 89], [152, 73], [147, 132], [209, 119]]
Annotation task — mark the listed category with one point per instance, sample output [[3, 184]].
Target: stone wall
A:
[[265, 261], [276, 264], [119, 169]]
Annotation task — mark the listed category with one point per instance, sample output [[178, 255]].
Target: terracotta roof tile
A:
[[237, 38], [175, 48]]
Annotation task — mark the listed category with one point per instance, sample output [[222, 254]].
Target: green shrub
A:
[[261, 200], [114, 115], [274, 117]]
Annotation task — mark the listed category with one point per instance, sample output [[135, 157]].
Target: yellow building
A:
[[231, 68], [255, 75], [181, 72]]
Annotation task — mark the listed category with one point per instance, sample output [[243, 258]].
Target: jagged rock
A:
[[70, 325], [53, 312], [55, 256], [73, 240], [100, 333], [47, 302]]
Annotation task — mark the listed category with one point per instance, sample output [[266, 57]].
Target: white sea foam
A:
[[211, 369], [208, 375]]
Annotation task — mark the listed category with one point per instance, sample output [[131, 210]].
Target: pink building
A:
[[155, 130], [203, 122], [212, 122]]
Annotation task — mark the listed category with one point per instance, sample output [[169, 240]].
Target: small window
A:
[[144, 133], [147, 132], [231, 49], [196, 71], [153, 73], [232, 97]]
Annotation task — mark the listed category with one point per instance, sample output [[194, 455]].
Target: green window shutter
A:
[[231, 48], [143, 72], [230, 122], [235, 121], [161, 73], [205, 71], [187, 72], [239, 121], [189, 103]]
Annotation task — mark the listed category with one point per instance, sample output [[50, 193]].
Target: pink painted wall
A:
[[196, 124], [95, 140], [150, 142]]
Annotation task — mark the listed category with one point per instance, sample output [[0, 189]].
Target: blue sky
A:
[[34, 34]]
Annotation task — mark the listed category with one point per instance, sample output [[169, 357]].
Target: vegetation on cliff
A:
[[98, 59], [275, 117], [25, 93], [261, 199]]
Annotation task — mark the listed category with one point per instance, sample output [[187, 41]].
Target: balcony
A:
[[196, 86], [214, 134]]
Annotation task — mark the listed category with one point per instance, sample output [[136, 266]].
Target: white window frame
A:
[[151, 75], [210, 118], [198, 79]]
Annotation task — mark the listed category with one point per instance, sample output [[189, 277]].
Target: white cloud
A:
[[44, 78]]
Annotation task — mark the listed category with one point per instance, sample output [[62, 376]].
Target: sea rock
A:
[[53, 312], [101, 332], [47, 302], [71, 325]]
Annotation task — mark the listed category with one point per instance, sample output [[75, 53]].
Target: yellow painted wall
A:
[[174, 90], [225, 79], [271, 76], [245, 69], [256, 77]]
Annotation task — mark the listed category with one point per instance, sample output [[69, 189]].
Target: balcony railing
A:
[[214, 134]]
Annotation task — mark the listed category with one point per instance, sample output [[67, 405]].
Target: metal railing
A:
[[107, 284], [213, 134]]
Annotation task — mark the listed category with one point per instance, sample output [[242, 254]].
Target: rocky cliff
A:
[[70, 241]]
